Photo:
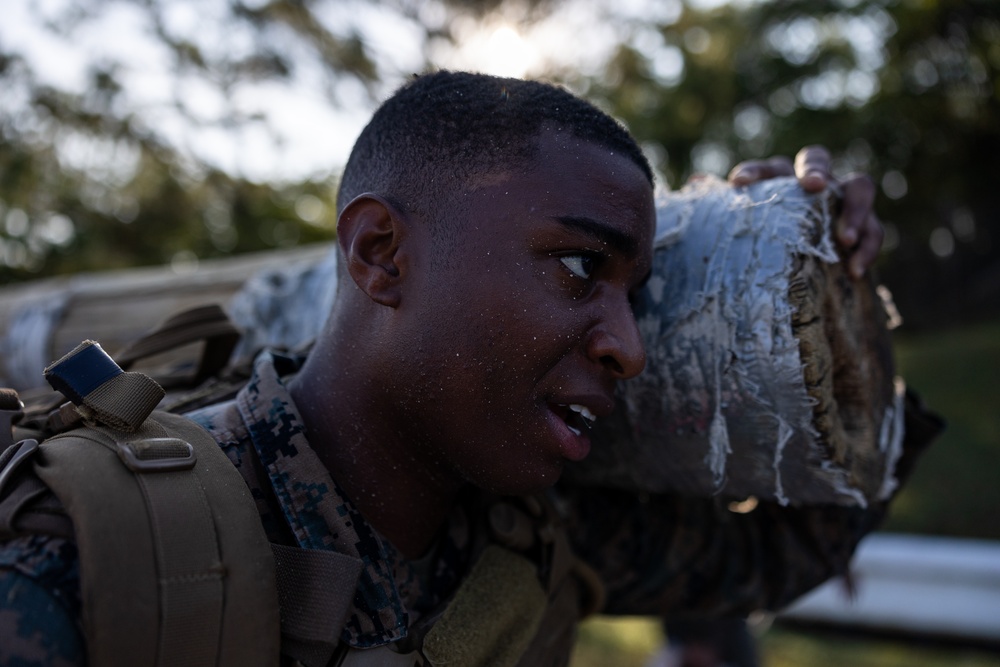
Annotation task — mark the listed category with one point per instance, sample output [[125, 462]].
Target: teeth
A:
[[583, 412], [575, 431]]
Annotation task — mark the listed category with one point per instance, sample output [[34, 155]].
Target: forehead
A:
[[589, 168], [566, 178]]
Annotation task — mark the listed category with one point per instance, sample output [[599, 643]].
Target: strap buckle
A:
[[157, 455]]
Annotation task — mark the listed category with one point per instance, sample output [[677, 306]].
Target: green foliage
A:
[[624, 642], [906, 91], [953, 490], [783, 647], [149, 210], [630, 641], [85, 185], [93, 180]]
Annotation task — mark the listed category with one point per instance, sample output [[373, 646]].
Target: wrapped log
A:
[[769, 370], [43, 320]]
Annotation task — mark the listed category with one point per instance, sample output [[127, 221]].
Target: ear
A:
[[369, 232]]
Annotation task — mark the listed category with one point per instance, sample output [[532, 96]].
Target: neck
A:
[[402, 495]]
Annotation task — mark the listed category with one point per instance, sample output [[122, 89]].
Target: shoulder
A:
[[40, 602]]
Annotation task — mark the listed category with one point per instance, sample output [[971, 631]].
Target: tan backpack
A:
[[175, 565]]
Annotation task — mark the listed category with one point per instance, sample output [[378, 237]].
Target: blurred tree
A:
[[84, 189], [907, 90], [119, 166], [116, 169]]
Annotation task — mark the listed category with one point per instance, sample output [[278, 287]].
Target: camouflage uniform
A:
[[655, 555]]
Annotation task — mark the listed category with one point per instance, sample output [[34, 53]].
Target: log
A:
[[41, 321], [769, 371]]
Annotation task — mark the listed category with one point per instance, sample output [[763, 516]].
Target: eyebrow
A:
[[617, 239]]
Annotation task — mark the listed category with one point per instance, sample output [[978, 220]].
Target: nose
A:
[[615, 341]]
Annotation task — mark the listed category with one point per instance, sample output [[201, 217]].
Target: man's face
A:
[[518, 323]]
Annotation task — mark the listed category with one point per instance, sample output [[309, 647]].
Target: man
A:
[[492, 233]]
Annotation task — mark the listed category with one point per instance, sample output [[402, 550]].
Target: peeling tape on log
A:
[[769, 370]]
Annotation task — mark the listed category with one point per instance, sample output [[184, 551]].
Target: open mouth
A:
[[577, 417]]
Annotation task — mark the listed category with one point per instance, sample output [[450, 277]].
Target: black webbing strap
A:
[[207, 323], [11, 410], [26, 506]]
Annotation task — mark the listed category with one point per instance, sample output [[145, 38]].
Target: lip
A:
[[572, 446], [601, 405], [575, 445]]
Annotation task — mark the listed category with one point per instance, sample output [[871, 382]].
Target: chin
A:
[[523, 485]]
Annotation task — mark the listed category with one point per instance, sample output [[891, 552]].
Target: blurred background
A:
[[141, 132]]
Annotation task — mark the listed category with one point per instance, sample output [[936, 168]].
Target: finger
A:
[[866, 252], [813, 168], [858, 204], [752, 171]]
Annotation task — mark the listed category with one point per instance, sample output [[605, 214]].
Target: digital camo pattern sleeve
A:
[[40, 603], [668, 555]]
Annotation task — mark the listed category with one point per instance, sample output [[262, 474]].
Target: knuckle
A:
[[812, 154], [817, 150]]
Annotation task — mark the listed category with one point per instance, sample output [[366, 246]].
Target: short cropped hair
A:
[[441, 129]]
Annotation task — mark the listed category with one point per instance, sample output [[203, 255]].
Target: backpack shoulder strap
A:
[[175, 565]]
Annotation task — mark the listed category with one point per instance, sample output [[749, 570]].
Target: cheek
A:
[[517, 347], [499, 339]]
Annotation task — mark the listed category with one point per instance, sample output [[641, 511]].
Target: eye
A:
[[581, 266]]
